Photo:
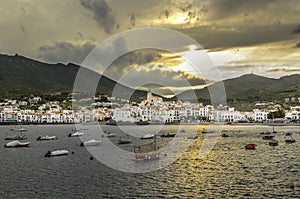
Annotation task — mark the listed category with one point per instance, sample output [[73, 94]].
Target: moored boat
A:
[[16, 137], [76, 134], [147, 136], [208, 131], [192, 136], [16, 143], [265, 133], [92, 142], [168, 135], [21, 129], [225, 135], [142, 123], [146, 152], [125, 141], [56, 153], [273, 142], [288, 133], [250, 146], [109, 135], [146, 156], [290, 140], [268, 137], [111, 122], [46, 138]]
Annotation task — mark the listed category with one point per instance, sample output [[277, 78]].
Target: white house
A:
[[260, 115]]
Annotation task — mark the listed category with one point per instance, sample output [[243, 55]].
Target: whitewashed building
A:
[[260, 115]]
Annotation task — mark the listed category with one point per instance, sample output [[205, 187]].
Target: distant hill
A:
[[251, 88], [23, 76]]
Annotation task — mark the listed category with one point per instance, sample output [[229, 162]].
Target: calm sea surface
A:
[[228, 171]]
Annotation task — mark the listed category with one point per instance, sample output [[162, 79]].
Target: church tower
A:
[[149, 96]]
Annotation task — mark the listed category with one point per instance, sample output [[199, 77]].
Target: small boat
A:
[[92, 142], [76, 134], [147, 136], [21, 129], [225, 135], [250, 146], [208, 131], [142, 123], [168, 135], [16, 137], [125, 141], [146, 157], [46, 138], [110, 135], [288, 133], [265, 133], [146, 152], [273, 143], [111, 122], [291, 140], [16, 143], [192, 136], [268, 137], [56, 153]]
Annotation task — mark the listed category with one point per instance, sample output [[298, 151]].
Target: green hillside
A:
[[245, 90], [23, 76]]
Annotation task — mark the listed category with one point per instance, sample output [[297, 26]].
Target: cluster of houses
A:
[[153, 110]]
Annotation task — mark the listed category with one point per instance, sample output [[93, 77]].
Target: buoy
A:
[[292, 185], [91, 158], [73, 152]]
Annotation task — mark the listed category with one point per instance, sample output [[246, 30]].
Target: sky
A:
[[239, 36]]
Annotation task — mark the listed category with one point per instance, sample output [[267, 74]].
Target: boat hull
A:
[[16, 144], [57, 153]]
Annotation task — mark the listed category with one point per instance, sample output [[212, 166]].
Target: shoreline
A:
[[124, 124]]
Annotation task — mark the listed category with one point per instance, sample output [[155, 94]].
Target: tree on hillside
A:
[[276, 114]]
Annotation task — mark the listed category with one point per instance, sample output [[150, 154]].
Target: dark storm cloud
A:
[[64, 52], [102, 13], [215, 36], [228, 8], [124, 63]]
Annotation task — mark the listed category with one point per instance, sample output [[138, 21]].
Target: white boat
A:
[[147, 136], [207, 131], [109, 135], [16, 137], [91, 143], [76, 134], [192, 136], [125, 141], [56, 153], [21, 129], [46, 138], [16, 143]]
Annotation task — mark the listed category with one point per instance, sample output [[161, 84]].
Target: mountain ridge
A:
[[25, 76]]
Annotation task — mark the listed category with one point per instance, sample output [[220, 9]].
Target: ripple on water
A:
[[228, 171]]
